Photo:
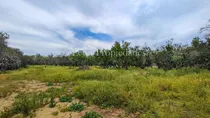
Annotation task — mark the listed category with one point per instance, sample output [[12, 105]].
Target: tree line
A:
[[10, 58], [121, 55]]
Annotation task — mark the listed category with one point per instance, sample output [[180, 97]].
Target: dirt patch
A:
[[3, 76], [7, 102], [37, 86]]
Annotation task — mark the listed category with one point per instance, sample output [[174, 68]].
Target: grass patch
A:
[[7, 87], [25, 104], [92, 114], [149, 92]]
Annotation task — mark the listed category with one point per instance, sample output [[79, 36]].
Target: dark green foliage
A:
[[50, 84], [92, 114], [76, 107], [52, 102], [65, 99]]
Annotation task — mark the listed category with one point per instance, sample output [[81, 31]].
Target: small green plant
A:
[[65, 99], [76, 107], [92, 114], [50, 84], [55, 113], [52, 102]]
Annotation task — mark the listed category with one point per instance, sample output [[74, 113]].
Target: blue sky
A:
[[63, 26]]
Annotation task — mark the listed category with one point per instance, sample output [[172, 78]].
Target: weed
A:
[[56, 92], [151, 92], [76, 107], [65, 99], [52, 102], [92, 114], [25, 104], [7, 87], [50, 84]]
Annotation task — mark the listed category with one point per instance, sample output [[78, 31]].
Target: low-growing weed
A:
[[76, 107], [26, 103], [92, 114], [65, 99], [52, 102], [50, 84]]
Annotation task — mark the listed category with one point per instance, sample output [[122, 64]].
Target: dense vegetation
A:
[[10, 58], [147, 92]]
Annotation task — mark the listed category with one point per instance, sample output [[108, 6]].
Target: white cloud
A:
[[38, 26]]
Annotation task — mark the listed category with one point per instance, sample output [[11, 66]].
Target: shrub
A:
[[50, 84], [52, 102], [92, 114], [65, 99], [25, 103], [76, 107]]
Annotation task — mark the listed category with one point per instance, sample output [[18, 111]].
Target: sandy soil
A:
[[46, 112]]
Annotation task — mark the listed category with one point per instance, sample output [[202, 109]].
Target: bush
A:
[[50, 84], [25, 103], [76, 107], [52, 102], [65, 99], [92, 114]]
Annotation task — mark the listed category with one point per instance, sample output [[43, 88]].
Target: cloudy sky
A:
[[55, 26]]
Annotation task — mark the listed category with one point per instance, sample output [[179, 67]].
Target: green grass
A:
[[149, 92], [92, 114], [7, 87]]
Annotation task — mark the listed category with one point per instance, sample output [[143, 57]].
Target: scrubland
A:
[[98, 92]]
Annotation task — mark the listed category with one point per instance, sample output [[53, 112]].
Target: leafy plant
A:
[[50, 84], [76, 107], [92, 114], [65, 99], [52, 102]]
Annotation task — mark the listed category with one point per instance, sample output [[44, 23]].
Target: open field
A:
[[149, 92]]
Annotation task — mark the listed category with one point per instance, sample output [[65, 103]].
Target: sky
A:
[[64, 26]]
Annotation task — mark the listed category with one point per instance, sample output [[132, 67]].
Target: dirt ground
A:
[[46, 112]]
